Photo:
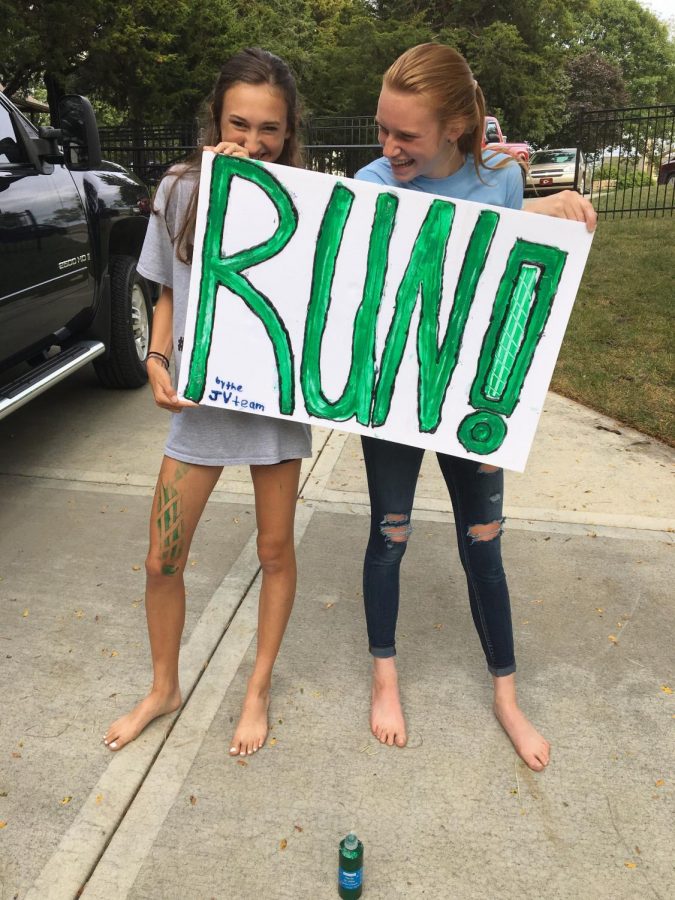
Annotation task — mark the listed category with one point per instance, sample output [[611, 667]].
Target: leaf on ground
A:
[[630, 865], [613, 638], [242, 762], [66, 801], [99, 799], [25, 613], [666, 689], [79, 614], [328, 605], [283, 843], [135, 568], [3, 824], [659, 782], [114, 653], [16, 755], [599, 610], [298, 827], [438, 626], [193, 800], [272, 742]]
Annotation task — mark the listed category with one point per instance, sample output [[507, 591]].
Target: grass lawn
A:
[[655, 196], [617, 356]]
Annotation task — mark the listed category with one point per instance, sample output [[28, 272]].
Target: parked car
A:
[[71, 231], [496, 140], [667, 172], [554, 170]]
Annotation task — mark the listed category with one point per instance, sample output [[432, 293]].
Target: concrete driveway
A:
[[588, 546]]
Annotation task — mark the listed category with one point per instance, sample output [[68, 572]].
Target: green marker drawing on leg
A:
[[356, 399], [522, 306], [170, 527], [227, 271], [424, 275]]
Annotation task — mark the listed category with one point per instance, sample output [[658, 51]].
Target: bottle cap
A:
[[351, 841]]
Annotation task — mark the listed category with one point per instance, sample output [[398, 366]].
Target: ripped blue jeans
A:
[[476, 493]]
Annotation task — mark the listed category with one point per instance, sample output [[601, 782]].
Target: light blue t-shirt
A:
[[499, 187]]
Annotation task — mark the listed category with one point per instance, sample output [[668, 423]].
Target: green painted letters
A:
[[424, 275], [356, 398], [520, 312], [227, 271]]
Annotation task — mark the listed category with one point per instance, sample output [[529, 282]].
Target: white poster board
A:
[[377, 310]]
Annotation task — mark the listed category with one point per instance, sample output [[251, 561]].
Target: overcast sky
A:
[[664, 9]]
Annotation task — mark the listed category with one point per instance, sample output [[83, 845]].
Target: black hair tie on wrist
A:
[[154, 354]]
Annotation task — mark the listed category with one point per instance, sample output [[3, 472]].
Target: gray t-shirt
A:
[[208, 436]]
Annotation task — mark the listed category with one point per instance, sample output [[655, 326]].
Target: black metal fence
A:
[[336, 145], [149, 150], [340, 145], [629, 160], [628, 167]]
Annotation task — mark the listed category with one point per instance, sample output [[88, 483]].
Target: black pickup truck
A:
[[71, 231]]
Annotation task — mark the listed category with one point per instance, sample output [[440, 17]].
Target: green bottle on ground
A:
[[350, 868]]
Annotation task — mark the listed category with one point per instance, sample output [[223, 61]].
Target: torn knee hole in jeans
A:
[[482, 533], [395, 528]]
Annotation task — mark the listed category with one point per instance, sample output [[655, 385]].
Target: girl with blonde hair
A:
[[430, 118]]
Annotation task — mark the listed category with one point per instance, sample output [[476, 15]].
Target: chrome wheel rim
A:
[[139, 322]]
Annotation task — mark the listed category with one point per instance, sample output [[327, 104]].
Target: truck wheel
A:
[[130, 326]]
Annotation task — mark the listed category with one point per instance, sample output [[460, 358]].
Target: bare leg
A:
[[532, 748], [386, 714], [276, 491], [181, 494]]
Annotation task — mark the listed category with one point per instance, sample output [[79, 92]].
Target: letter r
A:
[[218, 270]]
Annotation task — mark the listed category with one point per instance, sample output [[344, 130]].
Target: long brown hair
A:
[[249, 66], [443, 77]]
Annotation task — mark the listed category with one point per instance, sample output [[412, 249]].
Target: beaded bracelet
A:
[[154, 354]]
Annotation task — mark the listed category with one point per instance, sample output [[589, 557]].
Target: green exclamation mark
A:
[[520, 312]]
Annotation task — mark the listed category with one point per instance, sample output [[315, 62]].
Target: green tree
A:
[[637, 42], [44, 38], [594, 83]]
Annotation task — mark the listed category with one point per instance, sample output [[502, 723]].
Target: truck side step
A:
[[47, 374]]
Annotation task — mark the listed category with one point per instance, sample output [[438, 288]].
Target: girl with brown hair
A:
[[253, 113]]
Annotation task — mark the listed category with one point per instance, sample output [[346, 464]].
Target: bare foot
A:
[[386, 714], [130, 726], [530, 746], [251, 731]]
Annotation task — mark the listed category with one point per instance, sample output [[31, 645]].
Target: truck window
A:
[[11, 151]]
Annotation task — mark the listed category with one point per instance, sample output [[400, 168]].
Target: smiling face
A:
[[413, 140], [255, 116]]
